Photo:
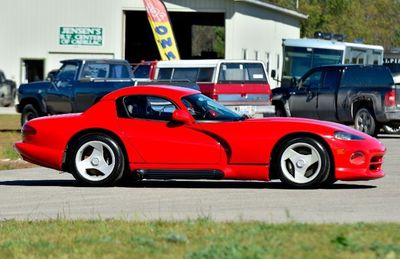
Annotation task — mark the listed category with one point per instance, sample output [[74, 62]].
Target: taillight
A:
[[28, 130], [390, 98]]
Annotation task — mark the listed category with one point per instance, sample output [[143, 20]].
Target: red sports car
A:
[[164, 132]]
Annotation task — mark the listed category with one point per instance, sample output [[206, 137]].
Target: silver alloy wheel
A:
[[95, 161], [301, 163], [364, 121]]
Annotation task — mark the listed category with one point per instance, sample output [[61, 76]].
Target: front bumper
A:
[[370, 169]]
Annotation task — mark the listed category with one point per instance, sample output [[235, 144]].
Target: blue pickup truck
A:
[[77, 85]]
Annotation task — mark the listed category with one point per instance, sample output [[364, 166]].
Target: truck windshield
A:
[[141, 71], [298, 60], [203, 108], [242, 72]]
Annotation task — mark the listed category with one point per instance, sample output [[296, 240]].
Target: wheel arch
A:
[[283, 104], [278, 145], [362, 103], [93, 131], [33, 101]]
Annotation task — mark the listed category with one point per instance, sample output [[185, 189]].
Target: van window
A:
[[189, 74], [164, 74], [205, 74], [241, 72]]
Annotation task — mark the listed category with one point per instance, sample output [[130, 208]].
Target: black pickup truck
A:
[[77, 85], [365, 96]]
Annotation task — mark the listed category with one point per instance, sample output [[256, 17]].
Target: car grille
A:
[[376, 163]]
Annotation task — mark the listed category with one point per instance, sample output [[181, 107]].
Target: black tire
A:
[[96, 160], [280, 111], [365, 121], [28, 113], [303, 162], [390, 129]]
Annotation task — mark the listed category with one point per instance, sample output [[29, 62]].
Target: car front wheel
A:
[[303, 162], [96, 160]]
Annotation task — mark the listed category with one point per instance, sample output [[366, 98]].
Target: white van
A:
[[241, 85]]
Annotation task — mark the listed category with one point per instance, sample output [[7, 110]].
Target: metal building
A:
[[36, 35]]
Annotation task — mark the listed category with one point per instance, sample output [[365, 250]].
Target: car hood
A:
[[297, 124], [34, 86]]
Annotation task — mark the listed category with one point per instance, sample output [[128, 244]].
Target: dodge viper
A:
[[164, 132]]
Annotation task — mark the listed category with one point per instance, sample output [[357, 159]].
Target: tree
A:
[[373, 21]]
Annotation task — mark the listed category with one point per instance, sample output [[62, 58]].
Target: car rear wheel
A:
[[303, 162], [96, 160], [29, 112], [364, 121]]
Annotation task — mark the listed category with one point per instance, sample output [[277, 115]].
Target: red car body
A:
[[243, 150]]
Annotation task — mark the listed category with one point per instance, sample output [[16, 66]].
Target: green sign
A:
[[85, 36]]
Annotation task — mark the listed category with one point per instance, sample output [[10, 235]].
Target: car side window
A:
[[95, 70], [67, 72], [313, 80], [331, 79], [148, 107]]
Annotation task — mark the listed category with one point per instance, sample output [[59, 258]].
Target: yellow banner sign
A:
[[162, 30]]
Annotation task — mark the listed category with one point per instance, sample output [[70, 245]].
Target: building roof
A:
[[275, 8]]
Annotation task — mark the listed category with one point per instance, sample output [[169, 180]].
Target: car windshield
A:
[[203, 108]]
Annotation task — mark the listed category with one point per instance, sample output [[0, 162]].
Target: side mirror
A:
[[51, 76], [182, 117], [273, 73]]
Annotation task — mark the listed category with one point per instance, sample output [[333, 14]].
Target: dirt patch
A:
[[8, 164]]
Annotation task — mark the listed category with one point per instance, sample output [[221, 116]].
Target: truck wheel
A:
[[364, 121], [29, 112], [391, 130], [280, 111], [96, 160], [303, 162]]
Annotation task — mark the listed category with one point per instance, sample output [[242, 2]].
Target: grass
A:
[[9, 122], [201, 238], [9, 134]]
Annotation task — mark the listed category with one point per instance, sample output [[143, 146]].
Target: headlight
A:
[[346, 136]]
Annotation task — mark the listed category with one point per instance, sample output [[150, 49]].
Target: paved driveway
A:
[[42, 194]]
